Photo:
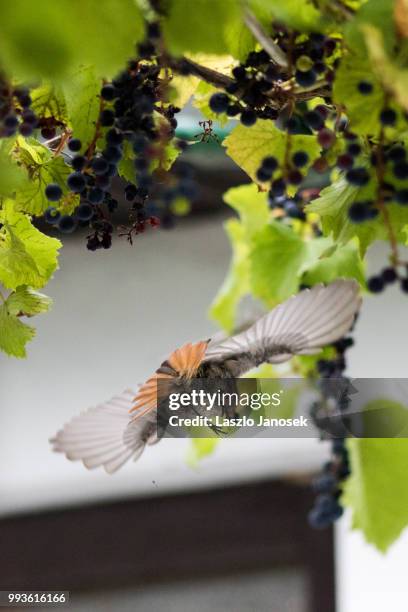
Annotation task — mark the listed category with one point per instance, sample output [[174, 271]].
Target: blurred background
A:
[[227, 533]]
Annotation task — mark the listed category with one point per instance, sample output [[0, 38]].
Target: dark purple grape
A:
[[67, 224], [84, 212], [74, 145], [76, 182], [109, 92], [51, 215], [53, 192]]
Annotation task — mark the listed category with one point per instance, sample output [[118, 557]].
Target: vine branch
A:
[[275, 52], [206, 74]]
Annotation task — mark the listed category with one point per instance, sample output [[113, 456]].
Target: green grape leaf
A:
[[24, 301], [42, 168], [393, 78], [343, 262], [298, 14], [377, 490], [362, 110], [14, 334], [248, 146], [31, 153], [31, 198], [236, 283], [12, 176], [200, 448], [82, 101], [57, 37], [252, 207], [212, 27], [278, 259], [181, 89], [167, 157], [305, 365], [48, 101], [27, 257], [374, 13], [332, 206]]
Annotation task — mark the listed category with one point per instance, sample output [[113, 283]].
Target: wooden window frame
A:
[[193, 535]]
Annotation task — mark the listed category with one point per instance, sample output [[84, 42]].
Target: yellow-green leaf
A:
[[248, 146], [27, 257], [377, 490], [14, 334], [24, 301]]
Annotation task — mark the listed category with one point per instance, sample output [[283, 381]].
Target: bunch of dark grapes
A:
[[279, 178], [16, 116], [334, 388], [263, 89], [327, 486], [260, 87], [134, 114]]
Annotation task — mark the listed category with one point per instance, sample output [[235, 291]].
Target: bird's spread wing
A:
[[300, 326], [104, 436], [111, 433]]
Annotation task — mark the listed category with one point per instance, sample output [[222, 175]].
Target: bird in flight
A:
[[109, 434]]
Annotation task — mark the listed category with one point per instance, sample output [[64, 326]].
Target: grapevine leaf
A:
[[60, 36], [333, 203], [31, 153], [362, 110], [12, 177], [82, 100], [212, 27], [42, 168], [377, 490], [251, 205], [377, 14], [393, 78], [167, 157], [48, 101], [236, 283], [298, 14], [14, 334], [343, 262], [24, 301], [248, 146], [31, 198], [107, 33], [278, 259], [27, 257], [126, 166], [182, 88]]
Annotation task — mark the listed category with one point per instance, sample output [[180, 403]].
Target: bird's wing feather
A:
[[302, 325], [105, 436]]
